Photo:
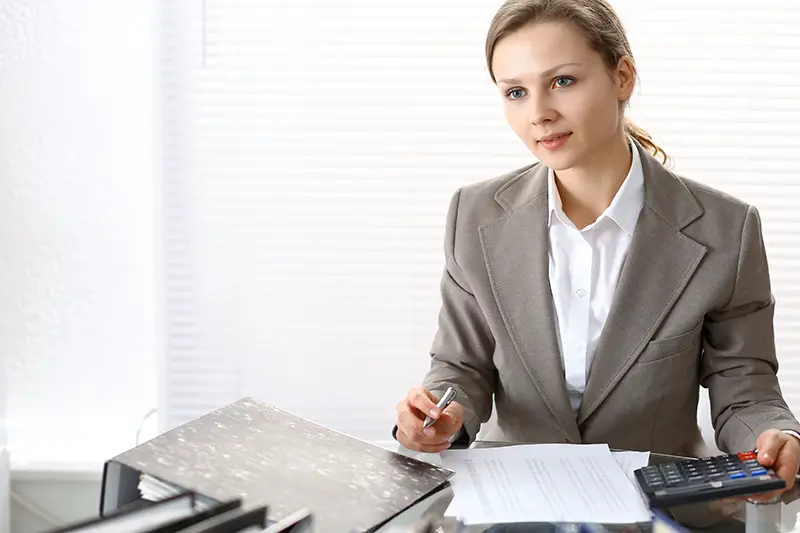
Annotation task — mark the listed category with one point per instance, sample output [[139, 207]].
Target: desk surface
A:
[[713, 517]]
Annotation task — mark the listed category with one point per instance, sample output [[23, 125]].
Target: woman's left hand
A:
[[781, 452]]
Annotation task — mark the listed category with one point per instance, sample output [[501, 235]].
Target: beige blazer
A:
[[693, 308]]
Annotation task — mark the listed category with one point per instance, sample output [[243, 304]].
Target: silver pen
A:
[[446, 399]]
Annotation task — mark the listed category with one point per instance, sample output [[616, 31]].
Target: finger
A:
[[787, 463], [405, 440], [769, 445], [422, 400], [413, 427], [409, 421], [415, 445], [447, 424], [430, 436], [437, 448], [455, 411]]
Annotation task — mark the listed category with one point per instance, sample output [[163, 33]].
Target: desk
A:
[[714, 517]]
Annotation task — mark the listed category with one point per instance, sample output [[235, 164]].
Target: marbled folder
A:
[[267, 456]]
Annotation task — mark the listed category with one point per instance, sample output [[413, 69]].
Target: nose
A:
[[541, 110]]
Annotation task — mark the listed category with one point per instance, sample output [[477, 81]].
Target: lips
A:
[[554, 137], [554, 141]]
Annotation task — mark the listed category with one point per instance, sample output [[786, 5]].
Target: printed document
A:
[[577, 483], [631, 461]]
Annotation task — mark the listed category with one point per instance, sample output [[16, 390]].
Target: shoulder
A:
[[718, 203], [478, 201], [477, 204], [712, 198], [723, 213]]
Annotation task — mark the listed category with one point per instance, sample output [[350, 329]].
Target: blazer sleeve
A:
[[463, 346], [739, 365]]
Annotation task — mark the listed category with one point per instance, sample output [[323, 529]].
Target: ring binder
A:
[[266, 456]]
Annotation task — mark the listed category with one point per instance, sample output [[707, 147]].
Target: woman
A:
[[590, 295]]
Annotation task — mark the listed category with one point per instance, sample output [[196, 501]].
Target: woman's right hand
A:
[[411, 413]]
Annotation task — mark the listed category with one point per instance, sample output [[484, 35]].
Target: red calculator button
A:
[[746, 456]]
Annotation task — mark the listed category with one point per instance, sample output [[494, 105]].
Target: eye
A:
[[562, 82], [515, 93]]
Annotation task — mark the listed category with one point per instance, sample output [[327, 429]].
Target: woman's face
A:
[[559, 96]]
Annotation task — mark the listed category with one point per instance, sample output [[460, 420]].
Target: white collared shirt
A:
[[584, 267]]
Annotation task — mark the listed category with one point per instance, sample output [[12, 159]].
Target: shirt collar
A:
[[624, 208]]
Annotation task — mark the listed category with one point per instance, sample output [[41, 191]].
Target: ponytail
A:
[[644, 138]]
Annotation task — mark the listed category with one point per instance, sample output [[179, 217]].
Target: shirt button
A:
[[581, 293]]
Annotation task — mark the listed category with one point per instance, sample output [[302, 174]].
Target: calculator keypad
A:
[[700, 471], [695, 480]]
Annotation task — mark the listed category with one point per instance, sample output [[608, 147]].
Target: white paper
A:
[[154, 490], [542, 483], [630, 461]]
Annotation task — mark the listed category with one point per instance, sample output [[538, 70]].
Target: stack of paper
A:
[[563, 483], [153, 489]]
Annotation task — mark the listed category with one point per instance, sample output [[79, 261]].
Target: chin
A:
[[556, 162]]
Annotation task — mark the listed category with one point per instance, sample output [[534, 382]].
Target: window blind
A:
[[310, 150]]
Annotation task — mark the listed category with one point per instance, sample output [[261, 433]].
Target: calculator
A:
[[697, 480]]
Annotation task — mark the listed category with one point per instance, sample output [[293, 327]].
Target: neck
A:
[[587, 190]]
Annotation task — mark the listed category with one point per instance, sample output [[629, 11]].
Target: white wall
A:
[[76, 226], [4, 491], [4, 460]]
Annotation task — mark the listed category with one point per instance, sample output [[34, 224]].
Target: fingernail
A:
[[434, 412], [428, 432]]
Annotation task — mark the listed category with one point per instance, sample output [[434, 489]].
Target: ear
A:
[[626, 78]]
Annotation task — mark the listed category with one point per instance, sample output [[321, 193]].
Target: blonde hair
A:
[[598, 22]]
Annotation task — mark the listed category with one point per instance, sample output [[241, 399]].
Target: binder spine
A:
[[119, 487]]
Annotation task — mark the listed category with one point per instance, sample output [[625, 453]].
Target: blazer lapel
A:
[[660, 262], [516, 254]]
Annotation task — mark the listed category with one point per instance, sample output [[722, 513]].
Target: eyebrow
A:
[[547, 73]]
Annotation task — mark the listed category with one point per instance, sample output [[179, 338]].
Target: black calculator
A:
[[710, 478]]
